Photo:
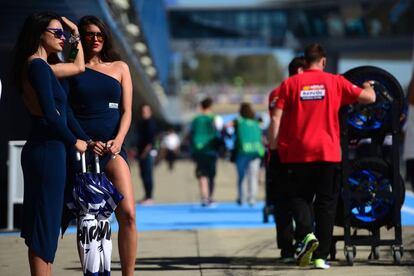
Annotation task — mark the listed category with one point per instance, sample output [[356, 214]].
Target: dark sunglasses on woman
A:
[[57, 33], [91, 36]]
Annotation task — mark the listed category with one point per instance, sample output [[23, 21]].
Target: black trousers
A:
[[277, 185], [146, 171], [314, 185]]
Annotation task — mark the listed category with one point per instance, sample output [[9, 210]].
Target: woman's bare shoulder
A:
[[120, 65]]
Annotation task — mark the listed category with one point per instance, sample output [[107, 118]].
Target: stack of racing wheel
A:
[[372, 188]]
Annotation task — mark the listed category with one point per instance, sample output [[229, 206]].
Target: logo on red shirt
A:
[[312, 92]]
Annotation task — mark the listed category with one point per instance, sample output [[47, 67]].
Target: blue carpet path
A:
[[225, 215]]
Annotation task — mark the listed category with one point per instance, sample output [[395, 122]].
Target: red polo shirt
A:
[[309, 128]]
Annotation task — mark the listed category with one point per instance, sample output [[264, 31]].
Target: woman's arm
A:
[[40, 79], [75, 126], [68, 69], [73, 123], [114, 146]]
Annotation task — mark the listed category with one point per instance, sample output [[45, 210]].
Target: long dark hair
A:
[[108, 54], [28, 42]]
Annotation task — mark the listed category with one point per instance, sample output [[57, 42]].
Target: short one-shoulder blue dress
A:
[[96, 98]]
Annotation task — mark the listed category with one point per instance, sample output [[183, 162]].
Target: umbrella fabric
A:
[[94, 194], [93, 200], [94, 245], [106, 244]]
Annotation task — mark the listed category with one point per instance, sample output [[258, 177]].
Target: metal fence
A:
[[15, 180]]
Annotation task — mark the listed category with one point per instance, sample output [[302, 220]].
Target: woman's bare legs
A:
[[38, 266], [118, 172]]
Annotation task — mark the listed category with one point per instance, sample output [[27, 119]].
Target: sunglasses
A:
[[57, 33], [91, 36]]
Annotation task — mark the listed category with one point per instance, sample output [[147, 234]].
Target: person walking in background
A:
[[146, 138], [101, 99], [248, 149], [53, 129], [204, 136], [306, 135], [170, 145], [277, 180], [408, 153]]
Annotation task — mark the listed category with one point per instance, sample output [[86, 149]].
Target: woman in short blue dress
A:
[[53, 129], [101, 99]]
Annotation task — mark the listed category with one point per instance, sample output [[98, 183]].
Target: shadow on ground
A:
[[214, 263], [242, 263]]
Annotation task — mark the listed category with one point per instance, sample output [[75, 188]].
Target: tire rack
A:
[[373, 239]]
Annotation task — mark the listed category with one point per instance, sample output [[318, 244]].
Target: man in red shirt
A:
[[306, 134], [277, 181]]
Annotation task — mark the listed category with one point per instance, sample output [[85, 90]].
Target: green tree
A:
[[249, 69]]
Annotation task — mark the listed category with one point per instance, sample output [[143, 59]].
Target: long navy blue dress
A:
[[95, 99], [44, 162]]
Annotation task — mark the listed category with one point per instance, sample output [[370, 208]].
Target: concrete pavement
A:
[[205, 252]]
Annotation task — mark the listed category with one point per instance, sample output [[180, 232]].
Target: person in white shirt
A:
[[171, 145]]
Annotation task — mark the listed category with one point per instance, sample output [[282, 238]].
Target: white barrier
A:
[[15, 180]]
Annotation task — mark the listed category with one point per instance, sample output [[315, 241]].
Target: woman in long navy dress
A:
[[53, 128], [101, 99]]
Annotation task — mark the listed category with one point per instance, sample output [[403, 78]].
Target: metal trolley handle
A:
[[81, 157]]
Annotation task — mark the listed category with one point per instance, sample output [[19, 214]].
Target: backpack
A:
[[249, 137]]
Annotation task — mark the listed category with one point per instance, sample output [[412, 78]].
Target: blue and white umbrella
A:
[[94, 199], [93, 193]]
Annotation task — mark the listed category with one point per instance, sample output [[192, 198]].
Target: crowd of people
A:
[[85, 104]]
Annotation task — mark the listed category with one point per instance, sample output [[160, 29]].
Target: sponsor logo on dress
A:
[[113, 105], [313, 92]]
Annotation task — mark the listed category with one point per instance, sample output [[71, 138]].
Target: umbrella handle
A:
[[81, 157], [97, 167]]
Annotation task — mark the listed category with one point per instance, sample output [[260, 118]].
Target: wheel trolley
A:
[[372, 188]]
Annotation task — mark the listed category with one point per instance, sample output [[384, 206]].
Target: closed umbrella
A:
[[93, 200]]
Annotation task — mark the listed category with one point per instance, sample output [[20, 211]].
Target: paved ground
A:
[[205, 252]]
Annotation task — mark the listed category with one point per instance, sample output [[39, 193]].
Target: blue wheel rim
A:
[[372, 116], [371, 196]]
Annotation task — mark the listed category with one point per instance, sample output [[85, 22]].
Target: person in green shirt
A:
[[205, 136], [248, 151]]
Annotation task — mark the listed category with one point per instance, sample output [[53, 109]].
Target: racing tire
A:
[[368, 120], [370, 194]]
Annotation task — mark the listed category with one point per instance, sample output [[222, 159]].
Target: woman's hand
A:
[[69, 25], [81, 146], [98, 147], [114, 146]]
